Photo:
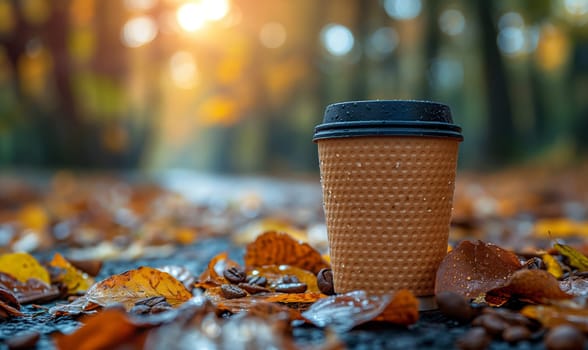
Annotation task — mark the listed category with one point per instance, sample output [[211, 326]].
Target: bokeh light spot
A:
[[139, 31], [576, 7], [403, 9], [272, 35], [139, 5], [337, 39], [382, 42], [511, 40], [190, 17], [510, 19], [183, 69], [215, 10], [452, 22]]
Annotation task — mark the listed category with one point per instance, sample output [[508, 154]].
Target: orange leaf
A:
[[553, 316], [403, 309], [212, 276], [273, 248], [108, 329], [130, 287], [473, 268], [75, 280], [535, 286], [274, 273], [292, 298]]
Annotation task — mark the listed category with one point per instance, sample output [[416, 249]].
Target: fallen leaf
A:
[[91, 267], [129, 287], [403, 309], [108, 329], [33, 290], [23, 266], [273, 248], [75, 280], [9, 305], [345, 311], [553, 316], [552, 265], [292, 298], [473, 268], [535, 286], [7, 311], [575, 284], [576, 259], [274, 273], [213, 275], [180, 273]]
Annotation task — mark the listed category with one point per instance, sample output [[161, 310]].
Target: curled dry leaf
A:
[[535, 286], [345, 311], [75, 280], [33, 290], [9, 305], [213, 275], [576, 258], [274, 273], [108, 329], [403, 309], [273, 248], [553, 316], [473, 268], [23, 266], [128, 288]]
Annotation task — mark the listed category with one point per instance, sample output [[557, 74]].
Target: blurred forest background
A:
[[237, 86]]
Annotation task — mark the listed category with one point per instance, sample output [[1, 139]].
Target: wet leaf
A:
[[274, 273], [576, 259], [552, 265], [403, 309], [535, 286], [23, 266], [33, 290], [9, 305], [180, 273], [213, 275], [108, 329], [75, 280], [292, 298], [553, 316], [273, 248], [7, 310], [575, 284], [345, 311], [473, 268], [132, 286]]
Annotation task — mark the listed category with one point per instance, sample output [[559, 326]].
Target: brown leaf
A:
[[345, 311], [535, 286], [403, 309], [553, 316], [91, 267], [473, 268], [273, 248], [108, 329], [9, 305], [33, 290], [7, 311]]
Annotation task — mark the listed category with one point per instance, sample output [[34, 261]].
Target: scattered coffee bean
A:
[[291, 287], [235, 274], [253, 288], [493, 324], [454, 306], [564, 337], [513, 318], [474, 339], [324, 280], [24, 340], [258, 280], [231, 291], [151, 301], [515, 334], [289, 279]]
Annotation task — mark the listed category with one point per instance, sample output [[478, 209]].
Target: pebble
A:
[[564, 337], [454, 306], [493, 324]]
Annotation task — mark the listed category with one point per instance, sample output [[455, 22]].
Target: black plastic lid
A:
[[387, 118]]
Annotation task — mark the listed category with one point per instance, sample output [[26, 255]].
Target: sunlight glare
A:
[[191, 17], [337, 39], [139, 31], [214, 10]]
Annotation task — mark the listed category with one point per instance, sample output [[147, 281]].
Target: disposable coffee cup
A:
[[388, 176]]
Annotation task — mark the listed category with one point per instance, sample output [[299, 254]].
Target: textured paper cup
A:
[[387, 199]]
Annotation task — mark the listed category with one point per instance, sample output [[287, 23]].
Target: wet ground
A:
[[433, 331]]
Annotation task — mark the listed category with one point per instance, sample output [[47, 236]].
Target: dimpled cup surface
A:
[[387, 203]]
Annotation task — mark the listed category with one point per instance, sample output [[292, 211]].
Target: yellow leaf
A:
[[577, 259], [553, 266], [134, 285], [75, 280], [23, 266], [34, 217]]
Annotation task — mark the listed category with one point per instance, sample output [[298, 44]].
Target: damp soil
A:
[[433, 331]]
